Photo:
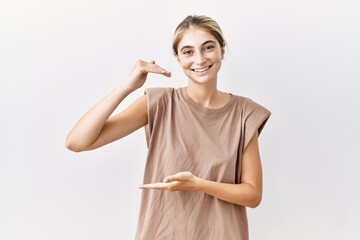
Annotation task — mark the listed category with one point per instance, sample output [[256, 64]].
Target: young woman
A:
[[203, 166]]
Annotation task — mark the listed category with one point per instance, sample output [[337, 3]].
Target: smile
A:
[[200, 70]]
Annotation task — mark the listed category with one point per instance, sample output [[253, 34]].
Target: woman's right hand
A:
[[139, 72], [96, 128]]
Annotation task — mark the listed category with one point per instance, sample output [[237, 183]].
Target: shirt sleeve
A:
[[255, 118], [157, 99]]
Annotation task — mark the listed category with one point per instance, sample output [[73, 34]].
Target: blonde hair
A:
[[199, 21]]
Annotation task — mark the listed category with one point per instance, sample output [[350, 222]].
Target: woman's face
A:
[[200, 55]]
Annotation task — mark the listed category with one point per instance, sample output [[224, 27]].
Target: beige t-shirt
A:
[[182, 135]]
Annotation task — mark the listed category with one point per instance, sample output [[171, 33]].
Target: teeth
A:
[[201, 69]]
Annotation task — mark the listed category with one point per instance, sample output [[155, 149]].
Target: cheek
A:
[[219, 56], [184, 62]]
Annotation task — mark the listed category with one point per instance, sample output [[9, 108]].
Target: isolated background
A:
[[300, 59]]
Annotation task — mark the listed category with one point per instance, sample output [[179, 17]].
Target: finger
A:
[[175, 178], [159, 70], [170, 179], [154, 68], [180, 176], [154, 186]]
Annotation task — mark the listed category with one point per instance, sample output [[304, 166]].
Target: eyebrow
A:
[[204, 43]]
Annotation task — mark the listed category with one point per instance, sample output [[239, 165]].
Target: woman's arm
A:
[[96, 128], [248, 193]]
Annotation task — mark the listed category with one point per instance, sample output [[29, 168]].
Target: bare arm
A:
[[96, 128], [248, 193]]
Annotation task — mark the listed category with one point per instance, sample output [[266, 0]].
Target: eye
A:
[[208, 48], [187, 52]]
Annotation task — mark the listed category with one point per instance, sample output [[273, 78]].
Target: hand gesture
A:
[[179, 181], [139, 72]]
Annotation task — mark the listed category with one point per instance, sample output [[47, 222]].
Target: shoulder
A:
[[159, 96], [253, 115], [158, 92], [248, 104]]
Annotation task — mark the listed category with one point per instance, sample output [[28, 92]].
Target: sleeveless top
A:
[[182, 135]]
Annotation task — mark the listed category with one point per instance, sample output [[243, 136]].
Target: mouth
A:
[[201, 70]]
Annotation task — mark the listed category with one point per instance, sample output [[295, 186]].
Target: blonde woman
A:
[[203, 166]]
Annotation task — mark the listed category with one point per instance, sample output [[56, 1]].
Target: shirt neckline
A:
[[200, 108]]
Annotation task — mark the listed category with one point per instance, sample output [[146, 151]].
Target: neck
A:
[[205, 94]]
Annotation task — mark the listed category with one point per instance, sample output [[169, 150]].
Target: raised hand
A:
[[179, 181], [139, 72]]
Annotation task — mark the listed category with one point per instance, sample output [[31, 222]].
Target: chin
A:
[[201, 80]]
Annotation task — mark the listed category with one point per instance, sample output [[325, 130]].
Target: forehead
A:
[[195, 37]]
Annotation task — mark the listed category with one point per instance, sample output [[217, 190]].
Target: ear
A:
[[222, 53], [177, 57]]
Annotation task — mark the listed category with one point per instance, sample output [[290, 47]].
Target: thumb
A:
[[180, 176], [170, 178]]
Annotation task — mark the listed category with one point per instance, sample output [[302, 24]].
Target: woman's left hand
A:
[[179, 181]]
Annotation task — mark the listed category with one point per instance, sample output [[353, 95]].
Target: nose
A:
[[200, 58]]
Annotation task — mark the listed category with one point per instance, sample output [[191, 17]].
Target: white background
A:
[[300, 59]]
